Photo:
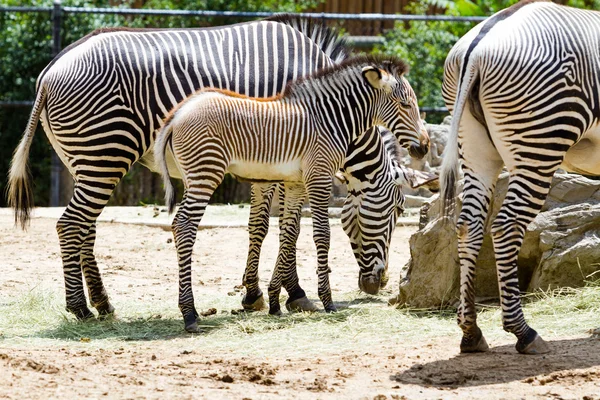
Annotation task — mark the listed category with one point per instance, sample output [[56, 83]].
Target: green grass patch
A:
[[37, 318]]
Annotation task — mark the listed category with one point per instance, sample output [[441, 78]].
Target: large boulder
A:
[[561, 247]]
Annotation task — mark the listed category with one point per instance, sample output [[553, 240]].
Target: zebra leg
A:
[[288, 233], [206, 175], [258, 226], [319, 190], [185, 227], [73, 228], [524, 199], [294, 200], [478, 191], [93, 279]]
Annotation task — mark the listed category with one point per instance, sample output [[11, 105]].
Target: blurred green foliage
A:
[[424, 45]]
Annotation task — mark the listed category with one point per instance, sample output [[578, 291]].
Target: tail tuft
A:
[[19, 189]]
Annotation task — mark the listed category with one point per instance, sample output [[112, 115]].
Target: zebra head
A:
[[395, 105], [374, 179]]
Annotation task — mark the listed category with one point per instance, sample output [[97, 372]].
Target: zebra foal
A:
[[524, 89], [299, 137]]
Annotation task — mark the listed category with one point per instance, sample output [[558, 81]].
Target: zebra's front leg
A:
[[93, 279], [288, 233], [258, 226], [522, 203], [318, 186], [478, 191], [295, 195], [73, 228]]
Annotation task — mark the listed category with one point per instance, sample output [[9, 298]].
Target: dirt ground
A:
[[140, 263]]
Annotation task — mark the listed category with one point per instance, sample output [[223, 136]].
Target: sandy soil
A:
[[139, 262]]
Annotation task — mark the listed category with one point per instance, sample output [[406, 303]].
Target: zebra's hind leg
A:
[[206, 175], [258, 226], [93, 279], [481, 165], [319, 190], [185, 227], [478, 191], [73, 228], [527, 191]]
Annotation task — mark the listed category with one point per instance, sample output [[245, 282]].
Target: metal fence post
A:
[[56, 165]]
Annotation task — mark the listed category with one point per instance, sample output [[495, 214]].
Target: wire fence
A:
[[57, 12]]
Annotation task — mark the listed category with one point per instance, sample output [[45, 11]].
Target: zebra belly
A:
[[289, 171], [584, 157]]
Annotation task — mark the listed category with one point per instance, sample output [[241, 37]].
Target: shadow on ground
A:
[[157, 327], [503, 364]]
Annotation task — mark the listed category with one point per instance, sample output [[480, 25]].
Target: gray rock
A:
[[561, 247]]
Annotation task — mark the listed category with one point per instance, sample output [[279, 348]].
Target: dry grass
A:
[[37, 317]]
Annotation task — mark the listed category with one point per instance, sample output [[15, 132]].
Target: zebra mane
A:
[[327, 38], [390, 64]]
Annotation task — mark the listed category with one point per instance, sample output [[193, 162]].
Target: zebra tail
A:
[[449, 170], [160, 152], [19, 189]]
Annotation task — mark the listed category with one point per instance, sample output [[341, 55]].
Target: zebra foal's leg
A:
[[258, 226], [75, 230], [524, 199], [207, 173], [297, 300], [318, 186], [93, 279], [288, 235]]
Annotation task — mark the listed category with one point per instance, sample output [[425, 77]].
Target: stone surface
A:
[[561, 247]]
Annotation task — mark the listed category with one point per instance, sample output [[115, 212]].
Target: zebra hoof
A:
[[254, 304], [82, 313], [330, 309], [276, 313], [193, 328], [301, 304], [474, 344], [106, 311], [189, 320], [537, 346]]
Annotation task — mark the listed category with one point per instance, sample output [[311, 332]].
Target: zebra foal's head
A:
[[395, 104]]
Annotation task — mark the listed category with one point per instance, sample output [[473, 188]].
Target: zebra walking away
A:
[[374, 178], [300, 137], [525, 93], [103, 98]]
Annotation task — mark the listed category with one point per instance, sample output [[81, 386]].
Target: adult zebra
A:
[[524, 89], [102, 99], [299, 137]]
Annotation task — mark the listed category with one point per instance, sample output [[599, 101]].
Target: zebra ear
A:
[[373, 76]]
